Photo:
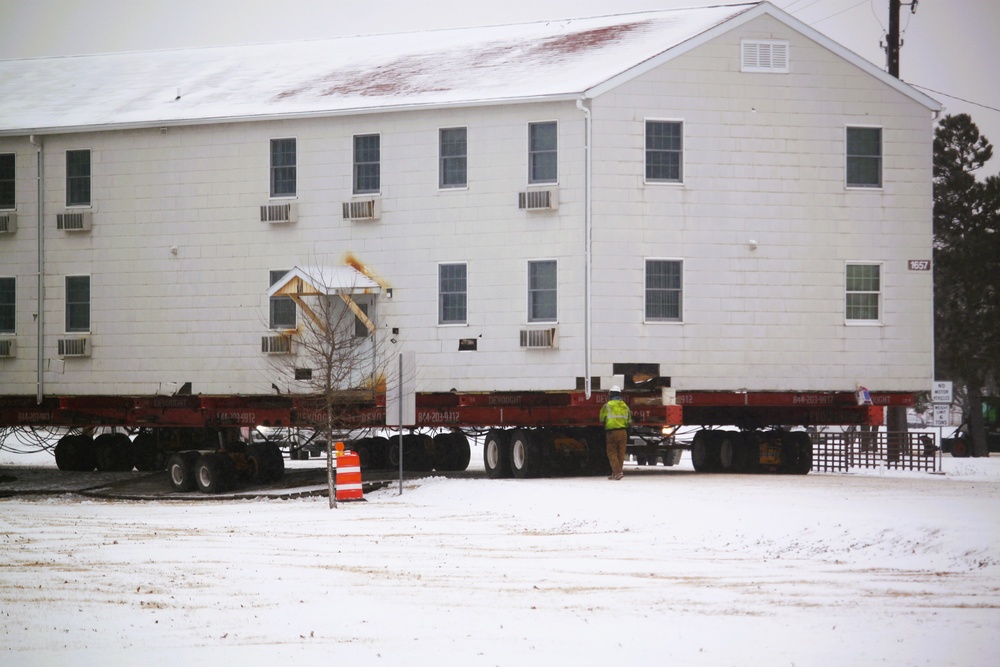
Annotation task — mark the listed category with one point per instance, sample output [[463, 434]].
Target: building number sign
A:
[[919, 265]]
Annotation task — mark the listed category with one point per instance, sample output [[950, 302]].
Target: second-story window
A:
[[453, 151], [8, 193], [864, 157], [8, 293], [542, 153], [78, 178], [664, 151], [367, 169], [77, 304], [542, 291], [283, 167]]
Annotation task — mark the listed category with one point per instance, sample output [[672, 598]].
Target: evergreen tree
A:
[[966, 267]]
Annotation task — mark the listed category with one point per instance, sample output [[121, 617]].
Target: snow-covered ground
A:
[[664, 567]]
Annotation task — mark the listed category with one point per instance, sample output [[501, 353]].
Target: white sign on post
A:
[[942, 414], [941, 392], [401, 391]]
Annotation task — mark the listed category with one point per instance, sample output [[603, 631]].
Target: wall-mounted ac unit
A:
[[538, 200], [8, 348], [74, 222], [367, 209], [276, 344], [8, 223], [538, 338], [278, 214], [74, 347]]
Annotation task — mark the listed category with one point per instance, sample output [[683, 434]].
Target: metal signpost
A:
[[401, 405]]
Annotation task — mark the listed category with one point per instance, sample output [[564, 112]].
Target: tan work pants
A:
[[616, 442]]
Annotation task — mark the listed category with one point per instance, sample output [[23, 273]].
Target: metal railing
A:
[[839, 452]]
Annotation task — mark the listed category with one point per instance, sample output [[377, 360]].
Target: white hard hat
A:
[[616, 389]]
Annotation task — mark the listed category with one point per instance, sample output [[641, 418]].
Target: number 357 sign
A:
[[919, 265]]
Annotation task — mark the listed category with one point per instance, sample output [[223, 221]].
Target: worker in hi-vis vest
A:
[[616, 418]]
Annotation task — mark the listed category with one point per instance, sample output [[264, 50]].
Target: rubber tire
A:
[[803, 453], [75, 453], [461, 452], [146, 453], [960, 448], [442, 451], [732, 452], [211, 473], [704, 451], [496, 454], [380, 453], [525, 454], [418, 452], [180, 469], [363, 448], [113, 452], [267, 465]]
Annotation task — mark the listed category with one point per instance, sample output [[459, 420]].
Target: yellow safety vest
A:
[[615, 414]]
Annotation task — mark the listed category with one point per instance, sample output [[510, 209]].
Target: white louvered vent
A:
[[276, 344], [368, 209], [7, 348], [764, 55], [538, 338], [8, 223], [74, 347], [74, 222], [278, 214], [538, 200]]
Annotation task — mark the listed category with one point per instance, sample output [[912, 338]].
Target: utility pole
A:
[[893, 43]]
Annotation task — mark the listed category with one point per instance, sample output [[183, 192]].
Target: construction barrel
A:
[[348, 476]]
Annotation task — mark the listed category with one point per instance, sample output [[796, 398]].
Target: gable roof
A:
[[526, 62]]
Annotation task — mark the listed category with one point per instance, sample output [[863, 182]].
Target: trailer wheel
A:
[[180, 466], [75, 453], [496, 454], [380, 452], [113, 452], [525, 454], [705, 451], [959, 448], [802, 453], [148, 457], [418, 452], [461, 453], [363, 448], [212, 474], [267, 465], [732, 452]]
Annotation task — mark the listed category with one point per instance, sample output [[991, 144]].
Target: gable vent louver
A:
[[278, 214], [368, 209], [764, 56]]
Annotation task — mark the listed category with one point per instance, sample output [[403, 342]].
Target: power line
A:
[[840, 12], [954, 97]]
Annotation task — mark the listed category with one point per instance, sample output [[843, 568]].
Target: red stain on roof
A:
[[587, 39]]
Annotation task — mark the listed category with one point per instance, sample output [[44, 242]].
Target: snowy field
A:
[[666, 567]]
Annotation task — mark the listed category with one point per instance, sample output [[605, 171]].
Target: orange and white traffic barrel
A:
[[348, 476]]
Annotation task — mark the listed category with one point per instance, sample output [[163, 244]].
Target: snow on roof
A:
[[328, 280], [520, 62]]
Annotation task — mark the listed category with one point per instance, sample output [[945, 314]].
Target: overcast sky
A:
[[951, 47]]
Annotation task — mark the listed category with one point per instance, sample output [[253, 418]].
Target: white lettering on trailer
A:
[[34, 416], [240, 417], [438, 417]]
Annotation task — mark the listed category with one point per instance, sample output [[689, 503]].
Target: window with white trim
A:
[[452, 294], [664, 151], [77, 304], [283, 168], [863, 292], [8, 193], [282, 308], [542, 290], [8, 300], [543, 147], [453, 147], [864, 157], [367, 163], [764, 55], [78, 178], [664, 290]]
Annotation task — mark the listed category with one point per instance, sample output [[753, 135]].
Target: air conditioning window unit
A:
[[74, 222], [8, 223], [538, 200], [74, 347], [276, 344], [368, 209], [278, 214], [7, 348], [538, 338]]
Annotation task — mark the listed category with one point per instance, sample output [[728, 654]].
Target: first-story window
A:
[[78, 178], [543, 144], [864, 292], [663, 290], [367, 163], [664, 151], [282, 308], [542, 291], [77, 304], [453, 294], [454, 158], [360, 328], [8, 293], [283, 167], [8, 193], [864, 157]]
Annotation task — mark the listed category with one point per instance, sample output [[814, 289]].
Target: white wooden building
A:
[[722, 196]]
